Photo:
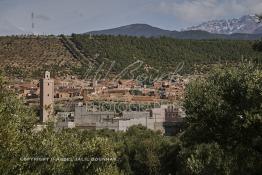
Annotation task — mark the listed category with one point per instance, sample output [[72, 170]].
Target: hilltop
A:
[[134, 30]]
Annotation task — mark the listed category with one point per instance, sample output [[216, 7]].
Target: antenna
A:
[[33, 24]]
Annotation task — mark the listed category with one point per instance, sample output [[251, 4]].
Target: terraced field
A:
[[31, 55]]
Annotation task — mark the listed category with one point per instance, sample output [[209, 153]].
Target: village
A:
[[100, 104]]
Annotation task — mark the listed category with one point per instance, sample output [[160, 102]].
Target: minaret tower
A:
[[46, 97]]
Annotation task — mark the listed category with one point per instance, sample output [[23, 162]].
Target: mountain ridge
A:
[[137, 29], [247, 24], [145, 30]]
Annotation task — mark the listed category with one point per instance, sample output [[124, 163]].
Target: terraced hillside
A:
[[30, 56]]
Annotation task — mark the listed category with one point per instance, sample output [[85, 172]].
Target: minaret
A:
[[46, 97]]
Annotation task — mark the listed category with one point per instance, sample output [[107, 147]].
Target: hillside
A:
[[30, 56], [165, 54]]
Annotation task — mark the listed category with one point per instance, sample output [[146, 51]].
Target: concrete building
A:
[[166, 113], [89, 120], [125, 124], [46, 97], [110, 120], [166, 119], [131, 118]]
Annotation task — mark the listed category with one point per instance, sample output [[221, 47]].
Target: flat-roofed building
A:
[[88, 119]]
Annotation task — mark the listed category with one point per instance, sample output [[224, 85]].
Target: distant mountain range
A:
[[244, 28], [246, 24], [144, 30]]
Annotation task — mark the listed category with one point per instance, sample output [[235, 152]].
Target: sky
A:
[[79, 16]]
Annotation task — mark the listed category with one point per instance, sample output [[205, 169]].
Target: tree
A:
[[258, 45], [19, 141], [205, 159], [143, 151], [225, 109], [17, 123]]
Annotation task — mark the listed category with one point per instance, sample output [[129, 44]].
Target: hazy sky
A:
[[78, 16]]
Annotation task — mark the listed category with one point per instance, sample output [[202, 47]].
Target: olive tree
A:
[[225, 109]]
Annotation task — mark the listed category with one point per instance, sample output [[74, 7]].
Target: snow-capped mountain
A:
[[246, 24]]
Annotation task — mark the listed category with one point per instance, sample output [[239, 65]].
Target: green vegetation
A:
[[19, 141], [224, 114], [14, 71], [135, 92], [258, 46], [222, 137], [30, 56], [164, 55]]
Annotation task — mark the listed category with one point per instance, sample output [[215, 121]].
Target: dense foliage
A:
[[20, 142], [164, 55], [223, 136], [224, 114], [257, 46]]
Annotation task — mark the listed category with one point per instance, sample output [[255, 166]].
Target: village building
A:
[[165, 119], [67, 93]]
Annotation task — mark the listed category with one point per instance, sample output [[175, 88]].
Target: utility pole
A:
[[32, 19]]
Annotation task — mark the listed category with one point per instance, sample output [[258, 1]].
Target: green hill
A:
[[165, 53], [29, 56]]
